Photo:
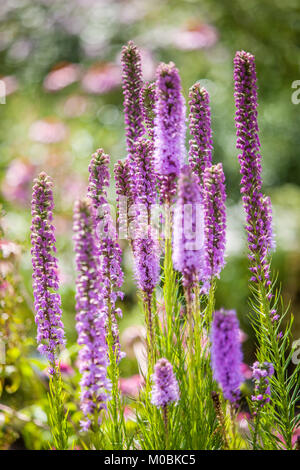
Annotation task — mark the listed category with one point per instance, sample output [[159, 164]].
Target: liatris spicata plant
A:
[[169, 128], [132, 84], [226, 354], [50, 329], [90, 319], [165, 390], [188, 234], [200, 151], [250, 161], [214, 197], [111, 278], [147, 104]]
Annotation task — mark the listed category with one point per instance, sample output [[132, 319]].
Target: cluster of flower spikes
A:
[[226, 353], [257, 211], [261, 374], [165, 386], [109, 251], [169, 129], [47, 302], [132, 84], [214, 197], [188, 232], [200, 146], [147, 104], [90, 317]]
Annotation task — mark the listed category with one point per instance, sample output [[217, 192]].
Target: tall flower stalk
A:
[[132, 85], [111, 277], [200, 149], [50, 329], [272, 341], [90, 319], [147, 104]]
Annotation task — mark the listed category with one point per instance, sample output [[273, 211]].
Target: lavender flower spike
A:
[[50, 329], [267, 218], [188, 234], [132, 84], [147, 104], [165, 389], [90, 317], [215, 220], [200, 153], [146, 258], [124, 196], [169, 128], [109, 251], [226, 354], [261, 374]]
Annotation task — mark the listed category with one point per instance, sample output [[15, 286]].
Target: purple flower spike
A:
[[261, 374], [169, 128], [146, 259], [200, 153], [109, 251], [143, 178], [132, 84], [257, 208], [90, 317], [226, 354], [124, 196], [165, 389], [215, 220], [267, 218], [50, 329], [188, 234], [147, 104]]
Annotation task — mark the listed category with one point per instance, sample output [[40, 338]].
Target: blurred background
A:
[[60, 62]]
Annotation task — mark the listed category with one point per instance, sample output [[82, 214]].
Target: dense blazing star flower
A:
[[90, 317], [143, 178], [165, 386], [214, 198], [188, 233], [50, 329], [261, 374], [132, 84], [226, 354], [267, 219], [109, 251], [147, 104], [200, 153], [169, 128], [146, 260], [250, 162]]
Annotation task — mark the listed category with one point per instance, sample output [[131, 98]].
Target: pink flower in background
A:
[[101, 78], [8, 248], [63, 75], [75, 106], [246, 371], [131, 385], [11, 84], [65, 368], [195, 36], [17, 182], [48, 131]]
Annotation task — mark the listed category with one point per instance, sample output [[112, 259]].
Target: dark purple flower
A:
[[90, 316], [169, 128], [261, 374], [146, 260], [200, 153], [188, 233], [109, 251], [226, 353], [214, 198], [147, 104], [250, 162], [124, 196], [165, 386], [132, 84], [50, 329], [267, 219]]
